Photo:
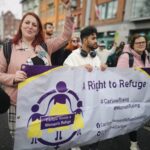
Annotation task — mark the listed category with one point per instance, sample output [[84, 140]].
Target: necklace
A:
[[26, 46]]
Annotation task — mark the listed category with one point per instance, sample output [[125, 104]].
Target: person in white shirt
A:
[[86, 56], [104, 53]]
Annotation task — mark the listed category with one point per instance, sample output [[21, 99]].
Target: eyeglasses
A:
[[139, 43]]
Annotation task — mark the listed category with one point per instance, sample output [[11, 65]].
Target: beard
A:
[[92, 46], [49, 33]]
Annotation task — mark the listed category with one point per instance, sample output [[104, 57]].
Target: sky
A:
[[13, 5]]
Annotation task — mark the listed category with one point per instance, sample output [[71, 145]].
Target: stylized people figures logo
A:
[[34, 130], [63, 114]]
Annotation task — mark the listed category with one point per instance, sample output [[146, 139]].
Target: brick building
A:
[[123, 17], [53, 11], [10, 25]]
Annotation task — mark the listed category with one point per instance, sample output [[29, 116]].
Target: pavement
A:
[[117, 143], [5, 138]]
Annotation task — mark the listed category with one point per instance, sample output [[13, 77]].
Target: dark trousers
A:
[[133, 136], [93, 146]]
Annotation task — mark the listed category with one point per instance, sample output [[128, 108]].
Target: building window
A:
[[74, 4], [108, 10], [30, 5], [51, 9], [36, 3], [140, 9], [81, 3], [51, 1], [61, 9], [25, 7]]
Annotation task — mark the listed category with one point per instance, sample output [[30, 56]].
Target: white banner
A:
[[66, 107]]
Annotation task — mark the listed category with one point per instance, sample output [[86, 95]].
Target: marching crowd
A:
[[33, 46]]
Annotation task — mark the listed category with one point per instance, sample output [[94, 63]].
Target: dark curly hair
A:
[[87, 31]]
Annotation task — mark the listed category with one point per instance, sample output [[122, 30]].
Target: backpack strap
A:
[[44, 46], [131, 59], [7, 49], [148, 56]]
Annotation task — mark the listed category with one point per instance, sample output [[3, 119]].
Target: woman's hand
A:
[[66, 4], [20, 76], [103, 67]]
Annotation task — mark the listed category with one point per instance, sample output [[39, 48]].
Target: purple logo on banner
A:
[[56, 121], [59, 118]]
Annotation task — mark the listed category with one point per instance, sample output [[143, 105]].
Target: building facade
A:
[[1, 28], [53, 11], [30, 6], [137, 17], [10, 25], [121, 18], [114, 19], [107, 16]]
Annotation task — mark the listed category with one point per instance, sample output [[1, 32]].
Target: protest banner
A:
[[64, 107]]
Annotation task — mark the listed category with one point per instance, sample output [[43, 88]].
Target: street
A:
[[5, 139], [118, 143]]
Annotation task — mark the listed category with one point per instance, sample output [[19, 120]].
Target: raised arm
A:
[[56, 43], [112, 50]]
